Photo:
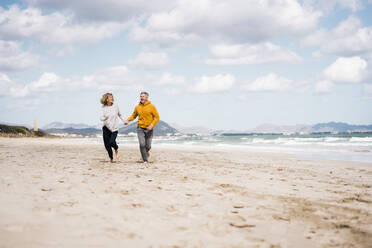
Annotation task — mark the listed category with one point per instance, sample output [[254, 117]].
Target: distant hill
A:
[[340, 127], [20, 131], [82, 131], [271, 128], [332, 127], [192, 129], [161, 128], [15, 124], [61, 125], [267, 128]]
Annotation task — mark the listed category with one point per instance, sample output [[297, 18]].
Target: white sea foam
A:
[[346, 148]]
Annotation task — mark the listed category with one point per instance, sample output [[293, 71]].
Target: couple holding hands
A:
[[147, 114]]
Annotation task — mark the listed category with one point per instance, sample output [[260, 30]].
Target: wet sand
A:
[[62, 193]]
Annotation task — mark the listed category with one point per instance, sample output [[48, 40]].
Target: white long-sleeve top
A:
[[113, 113]]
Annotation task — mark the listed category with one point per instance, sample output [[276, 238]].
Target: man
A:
[[147, 118]]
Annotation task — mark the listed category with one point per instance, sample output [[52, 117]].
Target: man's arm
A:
[[156, 117], [132, 117]]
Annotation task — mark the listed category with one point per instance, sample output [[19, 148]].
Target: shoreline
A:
[[206, 148]]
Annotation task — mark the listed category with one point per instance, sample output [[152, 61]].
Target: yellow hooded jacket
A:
[[147, 115]]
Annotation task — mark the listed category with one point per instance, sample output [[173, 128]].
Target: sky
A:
[[219, 64]]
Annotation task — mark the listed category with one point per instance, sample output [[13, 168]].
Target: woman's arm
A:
[[120, 115], [102, 117]]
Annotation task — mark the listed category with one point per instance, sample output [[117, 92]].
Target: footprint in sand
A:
[[137, 205], [239, 221], [69, 203], [171, 208], [124, 192], [117, 232], [238, 206], [241, 225]]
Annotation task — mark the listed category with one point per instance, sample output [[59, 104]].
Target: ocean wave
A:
[[352, 147], [361, 139]]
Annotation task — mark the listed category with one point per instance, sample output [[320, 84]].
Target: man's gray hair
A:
[[144, 92]]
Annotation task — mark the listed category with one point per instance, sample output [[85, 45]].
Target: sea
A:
[[347, 147]]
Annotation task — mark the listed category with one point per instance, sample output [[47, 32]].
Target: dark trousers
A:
[[144, 139], [109, 139]]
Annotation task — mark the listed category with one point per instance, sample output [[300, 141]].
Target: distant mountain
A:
[[69, 130], [61, 125], [340, 127], [161, 128], [221, 131], [271, 128], [192, 129], [332, 127]]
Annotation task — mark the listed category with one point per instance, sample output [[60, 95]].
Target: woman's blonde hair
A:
[[105, 97]]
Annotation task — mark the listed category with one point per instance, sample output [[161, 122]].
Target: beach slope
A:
[[64, 193]]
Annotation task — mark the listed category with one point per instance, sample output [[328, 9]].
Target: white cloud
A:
[[330, 5], [61, 51], [347, 70], [353, 5], [163, 22], [16, 23], [324, 86], [247, 54], [5, 84], [168, 79], [12, 58], [269, 83], [314, 39], [25, 104], [344, 70], [150, 61], [172, 91], [98, 10], [109, 79], [349, 38], [217, 83], [239, 21], [163, 38]]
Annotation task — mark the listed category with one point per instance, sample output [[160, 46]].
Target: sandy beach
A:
[[62, 193]]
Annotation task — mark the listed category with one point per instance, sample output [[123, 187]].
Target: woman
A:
[[110, 113]]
